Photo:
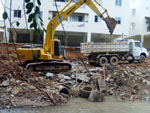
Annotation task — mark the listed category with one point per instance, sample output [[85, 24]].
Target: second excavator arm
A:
[[67, 11]]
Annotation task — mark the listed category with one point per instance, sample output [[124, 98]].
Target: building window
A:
[[97, 19], [133, 12], [77, 18], [132, 26], [118, 2], [118, 19], [54, 14], [17, 13]]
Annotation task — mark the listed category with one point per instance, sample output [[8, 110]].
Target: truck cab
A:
[[137, 51]]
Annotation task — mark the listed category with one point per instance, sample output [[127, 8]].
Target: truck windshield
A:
[[137, 44]]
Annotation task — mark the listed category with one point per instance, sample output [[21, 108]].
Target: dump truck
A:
[[124, 50]]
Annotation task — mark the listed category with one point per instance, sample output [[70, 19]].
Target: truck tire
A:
[[142, 59], [114, 61], [131, 60], [103, 61]]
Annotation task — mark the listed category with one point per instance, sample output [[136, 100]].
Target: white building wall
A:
[[142, 9], [88, 26]]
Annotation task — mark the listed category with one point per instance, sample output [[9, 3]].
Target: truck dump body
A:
[[90, 47]]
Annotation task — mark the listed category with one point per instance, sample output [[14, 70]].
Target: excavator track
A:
[[53, 66]]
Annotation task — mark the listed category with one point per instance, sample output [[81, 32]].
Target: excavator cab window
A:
[[57, 48]]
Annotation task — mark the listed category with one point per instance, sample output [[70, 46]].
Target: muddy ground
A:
[[20, 87]]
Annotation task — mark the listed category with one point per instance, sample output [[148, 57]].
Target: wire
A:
[[65, 33], [71, 44]]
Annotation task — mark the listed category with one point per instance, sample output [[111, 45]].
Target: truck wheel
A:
[[103, 61], [131, 60], [114, 60], [142, 59]]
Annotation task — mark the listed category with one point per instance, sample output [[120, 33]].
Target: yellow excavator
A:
[[49, 57]]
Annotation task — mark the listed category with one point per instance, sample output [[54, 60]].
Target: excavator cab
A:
[[57, 48]]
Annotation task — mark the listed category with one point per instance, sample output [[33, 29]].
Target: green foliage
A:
[[17, 23], [39, 2], [5, 15], [34, 19], [27, 1], [29, 7]]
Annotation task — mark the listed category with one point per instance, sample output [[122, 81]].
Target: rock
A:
[[83, 77], [128, 69], [15, 90], [62, 80], [136, 87], [67, 78], [109, 67], [3, 95], [49, 75], [60, 76], [73, 76], [18, 81], [8, 89], [96, 96], [146, 92], [101, 84], [5, 83], [108, 78], [110, 92], [32, 87]]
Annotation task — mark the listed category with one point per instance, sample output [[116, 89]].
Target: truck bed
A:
[[90, 47]]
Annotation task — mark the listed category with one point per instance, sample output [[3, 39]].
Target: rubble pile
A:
[[21, 88]]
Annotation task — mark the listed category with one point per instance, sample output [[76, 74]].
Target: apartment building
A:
[[84, 25]]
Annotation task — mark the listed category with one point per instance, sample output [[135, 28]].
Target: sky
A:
[[1, 11]]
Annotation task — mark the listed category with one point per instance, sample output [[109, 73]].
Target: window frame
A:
[[118, 19], [118, 3], [17, 13]]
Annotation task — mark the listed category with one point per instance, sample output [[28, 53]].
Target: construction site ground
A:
[[126, 86]]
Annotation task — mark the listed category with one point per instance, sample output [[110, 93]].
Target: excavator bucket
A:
[[111, 24]]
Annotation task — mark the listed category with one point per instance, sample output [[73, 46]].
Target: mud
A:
[[80, 105]]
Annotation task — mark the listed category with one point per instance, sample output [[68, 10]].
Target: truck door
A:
[[131, 48], [137, 50]]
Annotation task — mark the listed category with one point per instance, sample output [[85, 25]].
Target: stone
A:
[[32, 87], [67, 78], [101, 84], [15, 90], [128, 69], [5, 83], [146, 92], [62, 80], [18, 81], [8, 89], [96, 96], [60, 76], [49, 75], [83, 77]]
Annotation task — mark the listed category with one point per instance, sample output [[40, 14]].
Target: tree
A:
[[32, 10]]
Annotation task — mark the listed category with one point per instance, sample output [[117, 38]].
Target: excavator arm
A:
[[67, 11]]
